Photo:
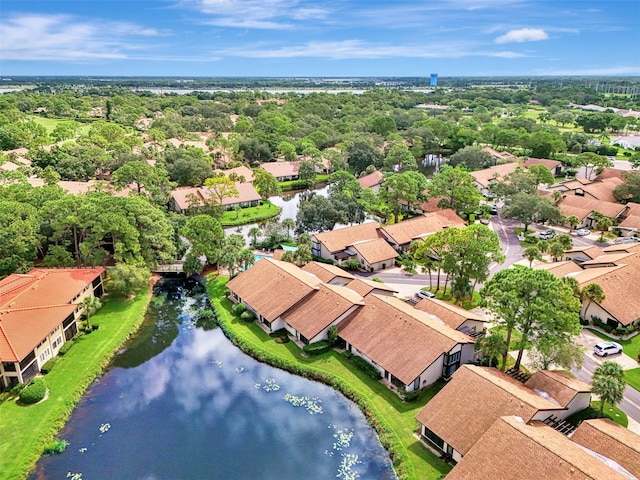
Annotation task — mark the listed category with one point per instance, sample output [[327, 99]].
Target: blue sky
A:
[[319, 38]]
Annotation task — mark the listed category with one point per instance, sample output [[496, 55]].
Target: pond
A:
[[181, 402]]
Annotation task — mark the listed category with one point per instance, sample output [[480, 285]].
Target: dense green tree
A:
[[531, 207], [318, 214], [125, 280], [307, 172], [151, 181], [550, 352], [265, 183], [362, 154], [205, 235], [534, 302], [253, 150], [456, 188], [188, 166], [404, 188], [399, 159], [629, 190], [473, 158], [383, 125], [19, 223], [592, 162], [532, 253], [544, 144]]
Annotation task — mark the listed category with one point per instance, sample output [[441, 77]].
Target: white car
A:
[[607, 348], [425, 294], [582, 232]]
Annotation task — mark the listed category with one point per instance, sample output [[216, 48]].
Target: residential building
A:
[[607, 438], [586, 209], [40, 311], [364, 287], [410, 349], [488, 176], [240, 172], [328, 273], [283, 171], [455, 317], [184, 198], [372, 181], [464, 410], [401, 234], [499, 157], [555, 166], [372, 255], [513, 448]]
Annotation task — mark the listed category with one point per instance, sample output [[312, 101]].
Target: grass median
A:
[[25, 430], [393, 419]]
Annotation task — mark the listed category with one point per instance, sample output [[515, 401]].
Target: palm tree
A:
[[90, 305], [557, 196], [556, 251], [608, 383], [592, 293], [573, 222], [531, 254], [289, 224], [493, 346], [565, 240], [254, 233], [603, 224]]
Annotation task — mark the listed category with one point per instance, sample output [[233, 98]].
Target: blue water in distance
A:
[[181, 402]]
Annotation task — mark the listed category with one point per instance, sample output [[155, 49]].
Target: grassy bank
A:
[[25, 430], [232, 218], [393, 419]]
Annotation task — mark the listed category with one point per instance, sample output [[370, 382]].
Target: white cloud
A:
[[63, 37], [522, 35], [257, 14], [352, 49]]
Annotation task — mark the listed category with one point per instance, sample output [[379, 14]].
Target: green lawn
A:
[[232, 218], [516, 337], [632, 377], [466, 303], [396, 415], [614, 413], [51, 123], [25, 430]]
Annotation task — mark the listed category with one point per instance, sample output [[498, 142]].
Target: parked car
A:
[[582, 232], [546, 235], [425, 294], [607, 348], [624, 240], [493, 210]]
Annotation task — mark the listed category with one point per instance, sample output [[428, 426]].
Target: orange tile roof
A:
[[337, 240], [559, 269], [256, 286], [42, 287], [402, 340], [33, 304], [375, 251], [242, 171], [583, 206], [611, 440], [473, 400], [364, 287], [512, 449], [550, 164], [497, 172]]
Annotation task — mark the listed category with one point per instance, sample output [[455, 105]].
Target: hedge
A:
[[66, 346], [48, 366], [388, 439], [363, 365], [34, 392], [317, 348]]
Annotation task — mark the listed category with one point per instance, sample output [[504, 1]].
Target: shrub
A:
[[17, 388], [49, 364], [282, 340], [34, 392], [411, 396], [247, 316], [323, 260], [238, 308], [280, 333], [332, 335], [352, 264], [317, 348], [65, 348], [56, 446], [363, 365], [377, 279]]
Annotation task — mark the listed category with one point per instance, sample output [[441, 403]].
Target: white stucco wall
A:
[[577, 404]]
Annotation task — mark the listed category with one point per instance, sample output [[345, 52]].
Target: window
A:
[[432, 437], [451, 359], [44, 355], [9, 366], [56, 342]]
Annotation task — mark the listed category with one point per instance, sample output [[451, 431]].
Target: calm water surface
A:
[[181, 402]]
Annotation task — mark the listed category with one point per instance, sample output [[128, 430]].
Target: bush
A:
[[247, 316], [34, 392], [282, 340], [55, 447], [352, 264], [239, 308], [363, 365], [66, 346], [332, 335], [323, 260], [49, 364], [317, 348], [280, 333], [17, 388], [411, 396]]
